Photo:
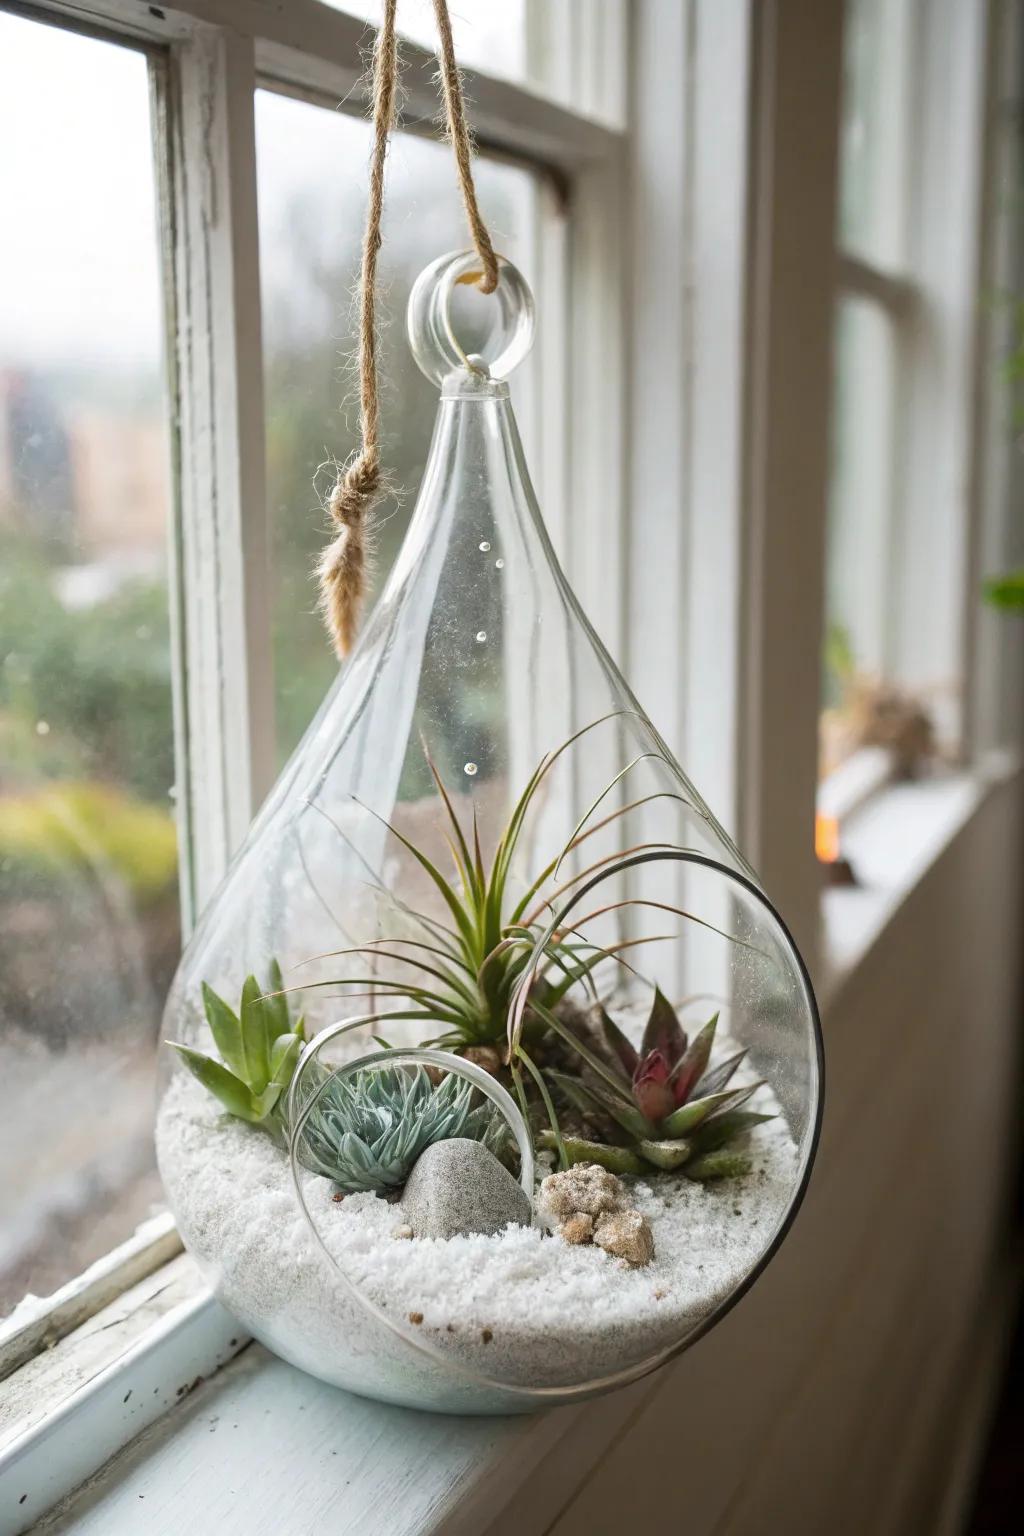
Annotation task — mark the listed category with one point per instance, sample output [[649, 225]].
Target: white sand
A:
[[523, 1307]]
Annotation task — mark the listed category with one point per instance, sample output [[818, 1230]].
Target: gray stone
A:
[[458, 1186]]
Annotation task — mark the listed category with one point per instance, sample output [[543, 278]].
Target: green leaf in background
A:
[[1006, 592]]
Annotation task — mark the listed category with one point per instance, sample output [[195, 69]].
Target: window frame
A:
[[683, 421], [214, 75], [927, 285], [207, 58]]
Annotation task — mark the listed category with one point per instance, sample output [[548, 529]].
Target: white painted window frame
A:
[[207, 59]]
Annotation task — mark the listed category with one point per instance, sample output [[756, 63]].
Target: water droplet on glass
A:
[[484, 547], [470, 768], [499, 565], [481, 636]]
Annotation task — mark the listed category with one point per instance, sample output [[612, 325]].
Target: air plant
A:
[[663, 1106], [480, 967], [259, 1049], [470, 967], [365, 1132]]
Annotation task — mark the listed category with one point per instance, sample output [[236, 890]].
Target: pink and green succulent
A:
[[660, 1106]]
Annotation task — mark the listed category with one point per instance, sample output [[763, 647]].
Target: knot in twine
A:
[[342, 568]]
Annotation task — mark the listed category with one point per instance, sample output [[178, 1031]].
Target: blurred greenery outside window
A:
[[89, 912]]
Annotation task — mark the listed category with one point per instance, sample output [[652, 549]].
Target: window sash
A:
[[209, 58], [797, 70], [933, 301], [225, 698]]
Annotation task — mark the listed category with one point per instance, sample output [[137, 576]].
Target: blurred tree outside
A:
[[88, 852], [89, 919]]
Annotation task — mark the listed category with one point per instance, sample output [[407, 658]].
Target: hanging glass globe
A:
[[496, 1075]]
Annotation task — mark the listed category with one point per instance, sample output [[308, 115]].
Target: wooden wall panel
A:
[[829, 1399]]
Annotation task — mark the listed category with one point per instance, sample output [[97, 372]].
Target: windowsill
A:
[[891, 840], [857, 780], [358, 1465], [268, 1449], [40, 1323]]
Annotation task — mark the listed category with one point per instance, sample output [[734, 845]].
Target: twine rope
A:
[[342, 568], [462, 147]]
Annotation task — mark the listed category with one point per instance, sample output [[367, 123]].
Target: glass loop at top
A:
[[432, 338]]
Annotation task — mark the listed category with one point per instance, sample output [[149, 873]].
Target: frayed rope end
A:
[[342, 568]]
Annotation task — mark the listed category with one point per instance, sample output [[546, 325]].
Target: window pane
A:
[[874, 144], [487, 36], [312, 188], [89, 929], [860, 523]]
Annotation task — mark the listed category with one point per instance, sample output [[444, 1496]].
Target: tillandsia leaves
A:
[[259, 1049], [366, 1132], [466, 971], [664, 1106], [503, 974]]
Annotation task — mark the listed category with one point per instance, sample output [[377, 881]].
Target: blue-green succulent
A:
[[366, 1131]]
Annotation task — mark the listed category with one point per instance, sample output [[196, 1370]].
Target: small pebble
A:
[[585, 1187], [578, 1228], [627, 1235]]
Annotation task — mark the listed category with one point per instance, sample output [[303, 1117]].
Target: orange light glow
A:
[[826, 838]]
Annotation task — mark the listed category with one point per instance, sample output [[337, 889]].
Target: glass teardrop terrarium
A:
[[484, 931]]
